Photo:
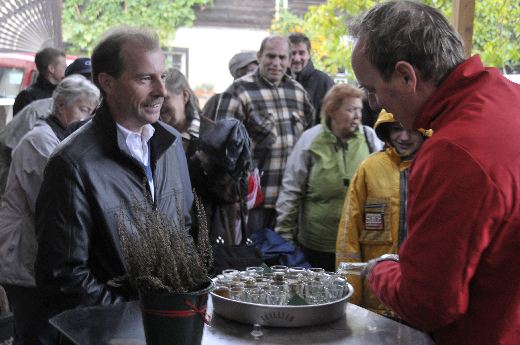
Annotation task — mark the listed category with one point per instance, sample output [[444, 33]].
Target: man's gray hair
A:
[[409, 31], [106, 57], [73, 87]]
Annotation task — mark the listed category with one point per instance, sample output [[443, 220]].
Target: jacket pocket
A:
[[377, 222], [260, 127], [298, 123]]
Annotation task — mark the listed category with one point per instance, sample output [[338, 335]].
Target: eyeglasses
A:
[[354, 110]]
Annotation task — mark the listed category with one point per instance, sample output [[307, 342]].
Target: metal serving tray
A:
[[280, 316]]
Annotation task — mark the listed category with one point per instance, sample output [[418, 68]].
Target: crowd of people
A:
[[427, 198]]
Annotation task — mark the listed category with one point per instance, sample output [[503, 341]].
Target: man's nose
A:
[[277, 61], [160, 88]]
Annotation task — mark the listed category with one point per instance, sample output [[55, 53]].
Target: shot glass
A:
[[256, 296], [349, 269], [222, 290], [315, 273], [255, 271], [279, 268], [237, 293], [296, 273], [276, 297], [230, 273], [296, 288], [314, 292]]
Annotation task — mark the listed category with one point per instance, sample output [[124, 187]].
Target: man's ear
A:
[[106, 82], [50, 69], [406, 74], [185, 96]]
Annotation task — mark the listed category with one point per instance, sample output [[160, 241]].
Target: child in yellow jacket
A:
[[373, 220]]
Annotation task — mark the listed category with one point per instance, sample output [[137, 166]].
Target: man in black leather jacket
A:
[[112, 159]]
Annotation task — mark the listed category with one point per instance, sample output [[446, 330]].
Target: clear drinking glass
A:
[[237, 293], [276, 297], [222, 290], [255, 271], [296, 288], [349, 269], [230, 273], [279, 268], [315, 272], [314, 292], [296, 273]]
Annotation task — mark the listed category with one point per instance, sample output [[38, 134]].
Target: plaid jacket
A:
[[275, 117]]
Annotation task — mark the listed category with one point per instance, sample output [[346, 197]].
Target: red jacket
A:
[[459, 274]]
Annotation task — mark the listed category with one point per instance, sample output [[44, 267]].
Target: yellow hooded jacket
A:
[[373, 214]]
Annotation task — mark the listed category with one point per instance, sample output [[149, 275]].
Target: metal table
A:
[[121, 324]]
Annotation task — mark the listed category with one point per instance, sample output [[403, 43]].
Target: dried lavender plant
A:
[[160, 255]]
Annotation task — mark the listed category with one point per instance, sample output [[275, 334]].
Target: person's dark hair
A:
[[106, 57], [176, 83], [46, 57], [409, 31], [298, 37], [266, 40]]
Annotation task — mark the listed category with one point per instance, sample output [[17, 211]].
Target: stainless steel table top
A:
[[121, 324]]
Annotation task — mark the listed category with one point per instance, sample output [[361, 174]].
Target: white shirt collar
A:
[[137, 147], [137, 143]]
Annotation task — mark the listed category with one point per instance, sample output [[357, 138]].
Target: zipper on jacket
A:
[[403, 201], [344, 148]]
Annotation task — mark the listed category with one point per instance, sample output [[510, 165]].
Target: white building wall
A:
[[210, 50]]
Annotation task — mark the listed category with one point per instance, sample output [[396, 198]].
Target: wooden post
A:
[[58, 24], [463, 15]]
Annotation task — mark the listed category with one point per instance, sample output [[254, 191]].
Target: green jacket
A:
[[315, 182]]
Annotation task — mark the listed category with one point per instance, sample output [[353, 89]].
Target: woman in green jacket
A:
[[318, 173]]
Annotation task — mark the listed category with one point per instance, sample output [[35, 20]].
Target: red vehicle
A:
[[17, 72]]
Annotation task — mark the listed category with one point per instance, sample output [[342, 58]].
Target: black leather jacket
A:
[[85, 182], [316, 83], [42, 88]]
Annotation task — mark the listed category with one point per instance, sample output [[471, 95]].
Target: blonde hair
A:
[[335, 96]]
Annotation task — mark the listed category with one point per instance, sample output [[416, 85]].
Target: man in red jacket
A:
[[458, 272]]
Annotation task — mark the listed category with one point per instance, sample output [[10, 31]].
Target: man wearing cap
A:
[[314, 81], [26, 119], [275, 110], [240, 64], [80, 66], [51, 65]]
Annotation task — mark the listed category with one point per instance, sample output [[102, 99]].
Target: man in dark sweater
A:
[[51, 65], [315, 82]]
